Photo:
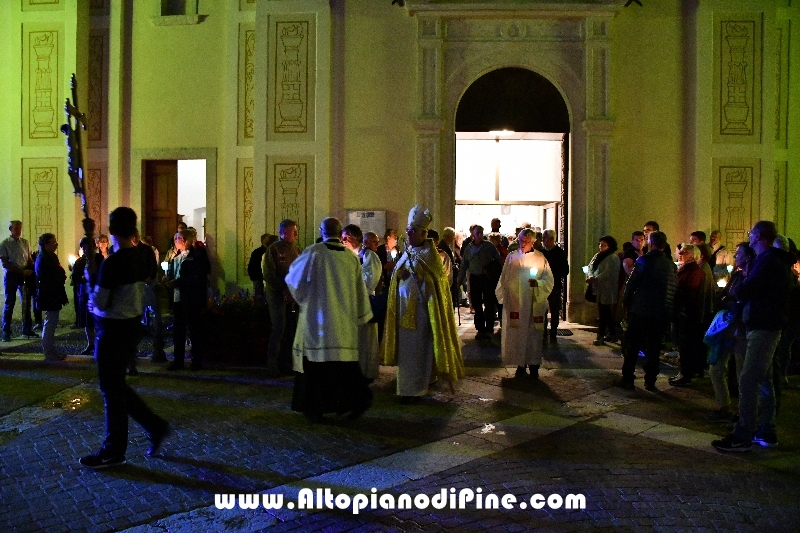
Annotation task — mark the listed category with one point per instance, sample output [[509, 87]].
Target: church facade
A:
[[683, 112]]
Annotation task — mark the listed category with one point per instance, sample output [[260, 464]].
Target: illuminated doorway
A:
[[512, 138]]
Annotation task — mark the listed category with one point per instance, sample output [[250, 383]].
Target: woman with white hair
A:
[[689, 314]]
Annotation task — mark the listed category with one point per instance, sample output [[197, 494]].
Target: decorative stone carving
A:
[[244, 195], [291, 87], [291, 194], [292, 80], [479, 30], [246, 104], [40, 194], [96, 115], [94, 193], [738, 182], [782, 84], [42, 73], [43, 5], [738, 49]]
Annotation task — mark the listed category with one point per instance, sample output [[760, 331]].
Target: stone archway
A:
[[457, 45]]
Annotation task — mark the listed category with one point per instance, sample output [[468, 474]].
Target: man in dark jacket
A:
[[254, 267], [649, 295], [50, 292], [559, 265], [765, 293]]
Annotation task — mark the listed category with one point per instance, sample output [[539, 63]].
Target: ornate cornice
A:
[[516, 8]]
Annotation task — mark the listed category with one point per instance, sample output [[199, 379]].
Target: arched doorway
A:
[[457, 45], [512, 130], [512, 126]]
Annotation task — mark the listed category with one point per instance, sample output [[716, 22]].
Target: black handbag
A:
[[590, 295]]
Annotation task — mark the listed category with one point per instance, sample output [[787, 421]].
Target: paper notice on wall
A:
[[368, 220]]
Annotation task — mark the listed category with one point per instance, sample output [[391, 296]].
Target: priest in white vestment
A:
[[371, 270], [523, 289], [325, 281], [420, 335]]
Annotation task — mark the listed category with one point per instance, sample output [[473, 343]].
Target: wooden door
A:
[[550, 217], [161, 202]]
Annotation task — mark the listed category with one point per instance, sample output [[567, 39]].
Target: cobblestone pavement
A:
[[641, 460]]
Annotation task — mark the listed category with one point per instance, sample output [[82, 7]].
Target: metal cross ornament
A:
[[75, 159]]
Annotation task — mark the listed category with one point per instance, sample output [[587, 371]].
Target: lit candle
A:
[[164, 266], [586, 270], [394, 254], [72, 258], [534, 271], [730, 268], [721, 283]]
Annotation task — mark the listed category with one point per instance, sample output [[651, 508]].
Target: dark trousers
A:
[[481, 296], [330, 387], [13, 284], [644, 334], [780, 361], [692, 349], [115, 346], [187, 316], [258, 290], [554, 305], [607, 323]]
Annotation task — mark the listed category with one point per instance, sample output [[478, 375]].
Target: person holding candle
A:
[[523, 289], [602, 277]]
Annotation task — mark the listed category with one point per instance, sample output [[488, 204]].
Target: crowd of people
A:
[[349, 303], [733, 315]]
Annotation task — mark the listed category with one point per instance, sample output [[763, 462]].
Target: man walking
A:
[[481, 261], [649, 295], [118, 301], [765, 294], [15, 255], [274, 266]]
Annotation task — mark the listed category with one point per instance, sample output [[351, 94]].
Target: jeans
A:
[[12, 284], [187, 317], [719, 371], [755, 384], [554, 304], [49, 333], [482, 298], [115, 347], [644, 334]]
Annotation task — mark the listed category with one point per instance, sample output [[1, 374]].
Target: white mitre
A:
[[419, 217]]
